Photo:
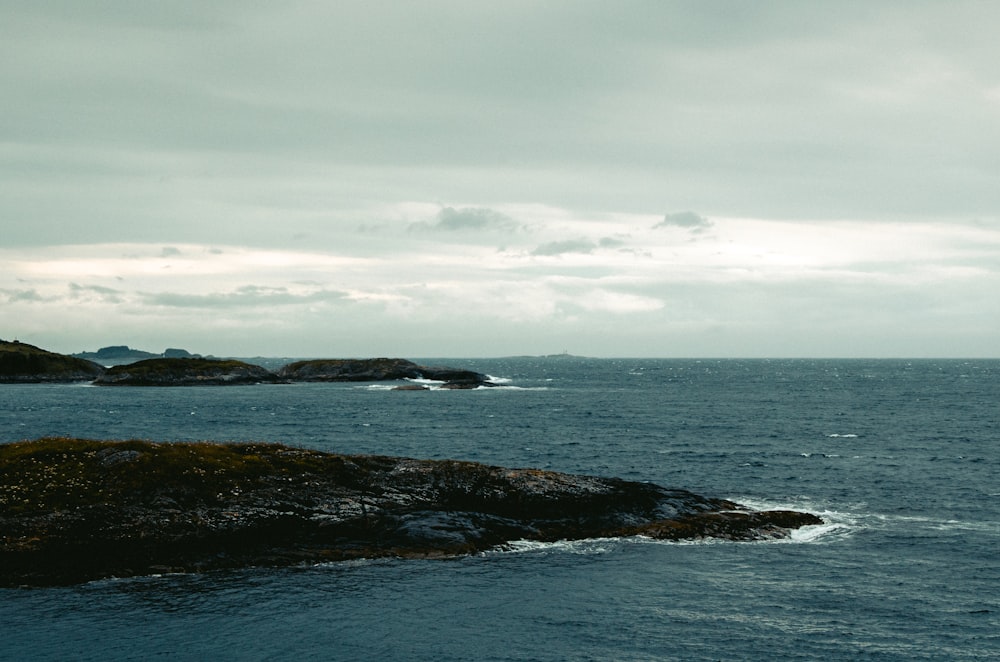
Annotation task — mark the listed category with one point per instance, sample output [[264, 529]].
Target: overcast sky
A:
[[462, 179]]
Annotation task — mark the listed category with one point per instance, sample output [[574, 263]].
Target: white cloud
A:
[[501, 166], [763, 277], [565, 246], [688, 220], [449, 219], [269, 299]]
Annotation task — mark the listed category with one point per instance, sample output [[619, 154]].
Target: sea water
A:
[[900, 458]]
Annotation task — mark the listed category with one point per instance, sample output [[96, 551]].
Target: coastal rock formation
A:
[[377, 370], [24, 363], [185, 372], [74, 510]]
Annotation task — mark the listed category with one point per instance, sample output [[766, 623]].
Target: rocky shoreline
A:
[[74, 510]]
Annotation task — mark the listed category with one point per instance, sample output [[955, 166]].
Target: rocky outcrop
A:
[[378, 370], [24, 363], [185, 372], [74, 510]]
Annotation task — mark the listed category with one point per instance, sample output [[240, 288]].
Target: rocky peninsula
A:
[[24, 363], [74, 510]]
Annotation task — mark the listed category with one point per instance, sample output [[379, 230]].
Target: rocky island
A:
[[20, 362], [185, 372], [377, 370], [74, 510], [24, 363]]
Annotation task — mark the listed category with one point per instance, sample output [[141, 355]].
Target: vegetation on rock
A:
[[73, 510], [21, 362], [379, 369], [185, 372]]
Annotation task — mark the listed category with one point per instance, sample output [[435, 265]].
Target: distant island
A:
[[115, 354], [73, 510], [23, 363], [563, 355]]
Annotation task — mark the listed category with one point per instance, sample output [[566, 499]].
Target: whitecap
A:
[[517, 388], [849, 435], [836, 523], [585, 546], [350, 563], [815, 532]]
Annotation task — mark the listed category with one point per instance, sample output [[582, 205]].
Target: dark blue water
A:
[[901, 457]]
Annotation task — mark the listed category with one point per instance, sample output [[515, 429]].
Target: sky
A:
[[477, 179]]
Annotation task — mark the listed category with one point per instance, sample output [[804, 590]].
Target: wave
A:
[[938, 523], [829, 531], [595, 546], [819, 532], [836, 525], [586, 546], [432, 385], [505, 387]]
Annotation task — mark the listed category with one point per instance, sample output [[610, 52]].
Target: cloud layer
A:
[[749, 287], [441, 177]]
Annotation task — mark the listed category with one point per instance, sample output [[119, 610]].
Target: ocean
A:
[[901, 459]]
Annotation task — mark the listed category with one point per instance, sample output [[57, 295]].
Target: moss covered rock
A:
[[21, 363], [185, 372], [377, 370], [72, 510]]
